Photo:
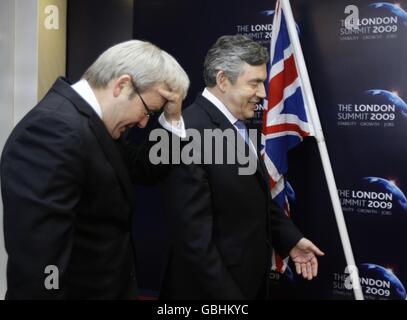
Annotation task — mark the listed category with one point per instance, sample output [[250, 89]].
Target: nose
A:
[[261, 92], [143, 122]]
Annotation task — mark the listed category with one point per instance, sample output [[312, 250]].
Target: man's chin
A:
[[249, 114]]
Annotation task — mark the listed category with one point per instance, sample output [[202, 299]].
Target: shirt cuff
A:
[[176, 127]]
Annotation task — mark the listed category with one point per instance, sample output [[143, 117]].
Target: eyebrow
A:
[[258, 80]]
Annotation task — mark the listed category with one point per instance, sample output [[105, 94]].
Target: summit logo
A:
[[377, 21]]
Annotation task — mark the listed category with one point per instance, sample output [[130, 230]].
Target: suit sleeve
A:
[[139, 156], [285, 235], [42, 171], [188, 197]]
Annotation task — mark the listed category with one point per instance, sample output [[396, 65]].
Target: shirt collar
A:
[[222, 108], [85, 91]]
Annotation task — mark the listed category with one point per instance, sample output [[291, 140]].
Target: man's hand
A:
[[173, 107], [304, 256]]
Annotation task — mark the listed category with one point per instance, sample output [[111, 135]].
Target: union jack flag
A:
[[285, 121]]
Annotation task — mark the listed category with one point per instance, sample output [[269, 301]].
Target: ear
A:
[[222, 81], [121, 84]]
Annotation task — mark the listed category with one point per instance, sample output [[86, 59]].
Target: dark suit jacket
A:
[[68, 195], [222, 224]]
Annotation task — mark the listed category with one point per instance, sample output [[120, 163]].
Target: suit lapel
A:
[[113, 154], [106, 142], [220, 120]]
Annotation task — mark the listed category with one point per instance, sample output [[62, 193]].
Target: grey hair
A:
[[147, 64], [229, 54]]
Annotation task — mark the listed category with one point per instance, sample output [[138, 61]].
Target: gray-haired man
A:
[[67, 176]]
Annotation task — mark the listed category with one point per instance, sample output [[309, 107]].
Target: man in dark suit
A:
[[67, 176], [224, 222]]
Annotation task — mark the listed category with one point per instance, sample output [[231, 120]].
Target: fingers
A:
[[316, 250], [165, 93], [304, 270], [172, 96], [306, 244], [173, 107], [312, 247], [308, 270], [304, 255], [314, 265], [298, 268]]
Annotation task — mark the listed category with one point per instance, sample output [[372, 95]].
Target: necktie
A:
[[241, 126]]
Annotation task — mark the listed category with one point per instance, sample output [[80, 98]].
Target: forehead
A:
[[253, 73]]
